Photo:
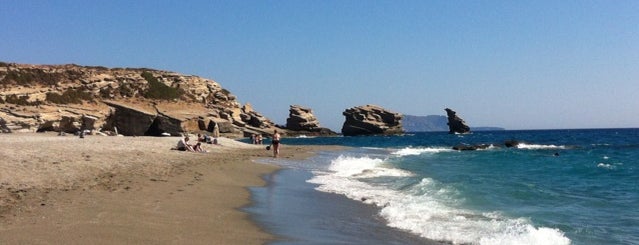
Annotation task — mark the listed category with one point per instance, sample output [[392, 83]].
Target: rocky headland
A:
[[371, 120], [129, 101]]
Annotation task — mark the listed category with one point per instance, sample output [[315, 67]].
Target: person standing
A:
[[276, 143]]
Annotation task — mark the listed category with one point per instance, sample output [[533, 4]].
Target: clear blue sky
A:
[[514, 64]]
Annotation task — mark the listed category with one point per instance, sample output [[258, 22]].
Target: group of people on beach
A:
[[275, 142], [184, 144], [257, 139]]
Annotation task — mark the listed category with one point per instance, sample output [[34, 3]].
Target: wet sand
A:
[[134, 190]]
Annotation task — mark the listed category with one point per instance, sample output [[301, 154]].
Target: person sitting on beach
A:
[[198, 147], [183, 144], [208, 139]]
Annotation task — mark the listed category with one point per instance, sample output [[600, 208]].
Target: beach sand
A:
[[134, 190]]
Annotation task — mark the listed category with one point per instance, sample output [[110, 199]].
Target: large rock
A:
[[456, 125], [132, 121], [69, 124], [371, 120], [302, 119], [128, 120], [3, 126]]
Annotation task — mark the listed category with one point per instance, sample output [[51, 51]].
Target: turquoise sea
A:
[[558, 187]]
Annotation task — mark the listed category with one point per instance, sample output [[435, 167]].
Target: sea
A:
[[578, 186]]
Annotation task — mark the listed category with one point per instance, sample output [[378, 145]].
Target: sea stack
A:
[[371, 120], [302, 120], [456, 125]]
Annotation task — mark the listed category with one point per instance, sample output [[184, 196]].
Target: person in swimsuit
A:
[[276, 144]]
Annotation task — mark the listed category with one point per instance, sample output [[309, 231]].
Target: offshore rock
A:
[[301, 118], [371, 120], [302, 121], [456, 125], [511, 143], [463, 147]]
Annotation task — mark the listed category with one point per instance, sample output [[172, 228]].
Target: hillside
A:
[[64, 97]]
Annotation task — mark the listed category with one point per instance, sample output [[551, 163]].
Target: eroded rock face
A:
[[56, 97], [456, 125], [301, 119], [371, 120], [130, 121], [3, 126]]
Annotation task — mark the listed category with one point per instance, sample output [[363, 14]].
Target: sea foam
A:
[[427, 208], [539, 147], [418, 151]]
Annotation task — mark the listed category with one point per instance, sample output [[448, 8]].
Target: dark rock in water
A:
[[471, 147], [511, 143], [371, 120], [455, 123]]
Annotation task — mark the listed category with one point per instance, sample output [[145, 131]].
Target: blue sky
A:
[[513, 64]]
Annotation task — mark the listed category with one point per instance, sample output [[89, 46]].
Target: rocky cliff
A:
[[134, 101], [455, 123], [371, 120]]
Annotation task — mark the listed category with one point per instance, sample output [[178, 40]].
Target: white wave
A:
[[428, 208], [539, 147], [418, 151], [363, 167], [608, 165]]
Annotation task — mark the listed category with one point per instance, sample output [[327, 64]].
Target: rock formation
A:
[[136, 101], [371, 120], [511, 143], [456, 125], [3, 126], [463, 147], [301, 118], [302, 121]]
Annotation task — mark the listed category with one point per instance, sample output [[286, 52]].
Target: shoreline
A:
[[105, 190]]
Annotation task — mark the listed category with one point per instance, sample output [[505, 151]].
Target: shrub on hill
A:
[[20, 100], [71, 96], [159, 90], [29, 77]]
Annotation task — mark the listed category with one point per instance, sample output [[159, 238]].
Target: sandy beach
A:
[[134, 190]]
